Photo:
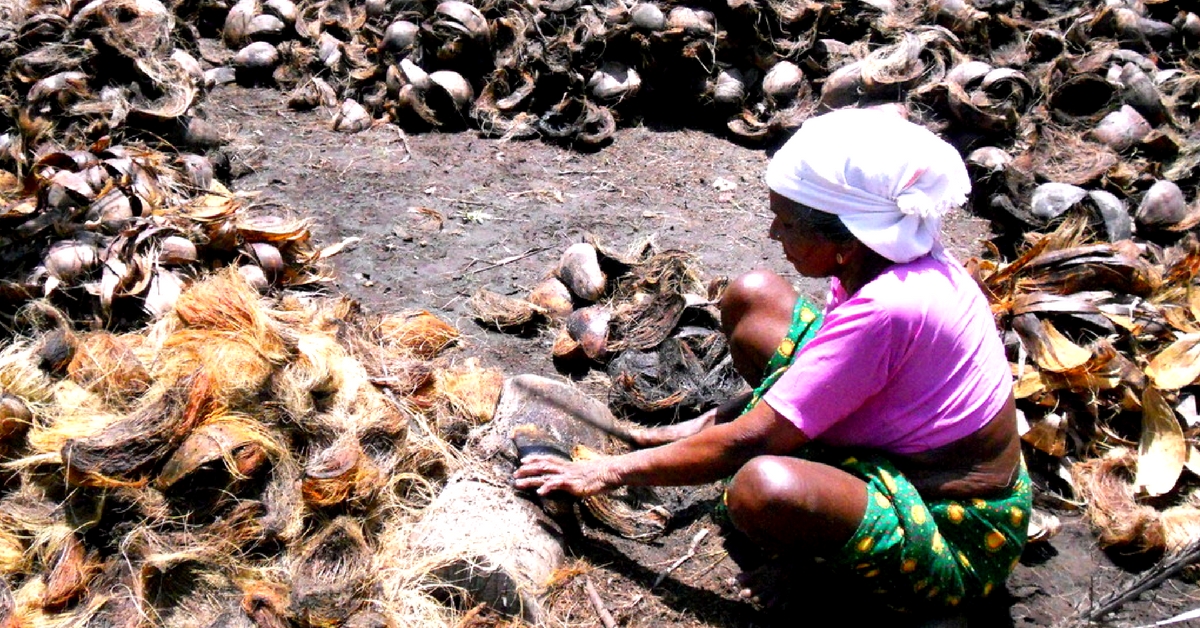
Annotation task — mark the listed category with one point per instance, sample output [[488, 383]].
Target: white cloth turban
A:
[[889, 180]]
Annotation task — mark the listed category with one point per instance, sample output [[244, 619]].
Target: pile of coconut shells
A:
[[245, 460], [644, 316]]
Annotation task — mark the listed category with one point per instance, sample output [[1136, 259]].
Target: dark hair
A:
[[824, 224]]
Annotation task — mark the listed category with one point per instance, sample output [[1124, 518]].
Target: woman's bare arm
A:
[[706, 456]]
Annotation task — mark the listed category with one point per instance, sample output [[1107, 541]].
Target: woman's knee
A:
[[756, 292], [761, 488], [756, 313]]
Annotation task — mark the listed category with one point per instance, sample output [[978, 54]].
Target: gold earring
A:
[[839, 259]]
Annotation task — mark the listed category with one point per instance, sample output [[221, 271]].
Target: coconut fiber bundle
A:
[[172, 476]]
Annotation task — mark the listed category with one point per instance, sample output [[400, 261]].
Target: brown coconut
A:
[[579, 270], [553, 296]]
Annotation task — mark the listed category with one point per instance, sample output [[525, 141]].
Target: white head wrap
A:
[[889, 180]]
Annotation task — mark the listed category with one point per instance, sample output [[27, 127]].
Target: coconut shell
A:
[[1163, 206], [1051, 200], [589, 327], [614, 81], [566, 351], [56, 350], [1140, 93], [783, 82], [552, 296], [351, 118], [257, 58], [15, 419], [579, 270], [400, 36], [647, 16], [1121, 129]]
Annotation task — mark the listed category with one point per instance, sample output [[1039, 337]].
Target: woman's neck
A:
[[870, 265]]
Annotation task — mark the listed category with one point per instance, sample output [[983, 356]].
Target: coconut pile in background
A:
[[242, 461], [645, 317]]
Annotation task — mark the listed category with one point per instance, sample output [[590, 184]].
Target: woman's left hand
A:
[[550, 473]]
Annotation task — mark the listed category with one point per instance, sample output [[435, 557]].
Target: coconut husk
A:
[[8, 607], [338, 474], [470, 392], [106, 365], [331, 574], [1106, 484], [419, 334], [614, 512], [1065, 158], [238, 444], [127, 451], [503, 313], [686, 373], [68, 571]]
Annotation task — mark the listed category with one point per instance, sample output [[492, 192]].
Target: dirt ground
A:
[[441, 215]]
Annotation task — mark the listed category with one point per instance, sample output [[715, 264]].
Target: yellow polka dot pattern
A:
[[787, 347], [900, 547]]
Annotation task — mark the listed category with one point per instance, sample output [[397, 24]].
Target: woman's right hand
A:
[[583, 478]]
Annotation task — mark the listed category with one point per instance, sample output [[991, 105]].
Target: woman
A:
[[888, 446]]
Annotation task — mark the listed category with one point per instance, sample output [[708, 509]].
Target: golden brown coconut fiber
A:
[[331, 574], [126, 451], [419, 334], [1106, 484], [470, 391], [105, 364]]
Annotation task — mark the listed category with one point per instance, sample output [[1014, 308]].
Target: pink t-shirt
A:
[[909, 363]]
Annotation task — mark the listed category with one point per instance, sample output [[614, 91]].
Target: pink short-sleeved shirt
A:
[[910, 362]]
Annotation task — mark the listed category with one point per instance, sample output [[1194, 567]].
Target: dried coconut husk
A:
[[468, 393], [125, 452], [340, 474], [68, 570], [504, 313], [1063, 157], [419, 334], [104, 364], [331, 574], [686, 373], [238, 443], [8, 607], [616, 514], [1106, 484]]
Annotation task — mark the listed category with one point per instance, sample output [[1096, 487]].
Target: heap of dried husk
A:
[[242, 461], [1103, 339], [645, 316]]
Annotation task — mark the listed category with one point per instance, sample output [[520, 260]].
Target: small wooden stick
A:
[[682, 559], [606, 618]]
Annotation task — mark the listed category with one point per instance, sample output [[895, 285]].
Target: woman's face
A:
[[811, 254]]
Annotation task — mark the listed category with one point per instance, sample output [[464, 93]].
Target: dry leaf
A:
[[1049, 435], [1178, 365], [1051, 350], [1162, 451]]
